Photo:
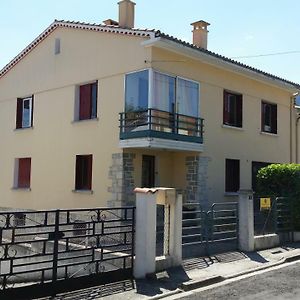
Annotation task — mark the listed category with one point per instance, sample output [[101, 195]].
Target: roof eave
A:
[[179, 48]]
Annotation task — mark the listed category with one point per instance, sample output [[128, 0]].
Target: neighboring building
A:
[[88, 112]]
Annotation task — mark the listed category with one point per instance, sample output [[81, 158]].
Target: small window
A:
[[232, 109], [83, 177], [232, 175], [268, 117], [88, 101], [24, 116], [23, 172], [57, 46]]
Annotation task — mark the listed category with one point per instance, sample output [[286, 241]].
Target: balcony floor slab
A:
[[161, 144]]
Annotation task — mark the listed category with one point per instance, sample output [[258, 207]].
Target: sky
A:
[[238, 27]]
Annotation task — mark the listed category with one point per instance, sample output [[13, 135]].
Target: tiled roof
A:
[[224, 58], [150, 33], [75, 25]]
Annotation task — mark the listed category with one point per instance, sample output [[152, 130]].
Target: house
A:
[[88, 112]]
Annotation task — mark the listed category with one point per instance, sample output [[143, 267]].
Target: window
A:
[[168, 93], [88, 101], [23, 169], [232, 109], [24, 112], [136, 91], [268, 117], [232, 175], [83, 177]]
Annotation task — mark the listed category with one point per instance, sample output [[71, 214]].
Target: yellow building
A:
[[88, 112]]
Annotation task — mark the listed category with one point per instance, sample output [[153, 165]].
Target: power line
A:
[[269, 54]]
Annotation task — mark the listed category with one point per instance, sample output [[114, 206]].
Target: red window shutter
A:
[[24, 173], [89, 171], [32, 101], [274, 118], [226, 114], [19, 114], [83, 177], [78, 175], [263, 116], [85, 106], [239, 110]]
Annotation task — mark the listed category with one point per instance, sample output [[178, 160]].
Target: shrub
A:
[[282, 180]]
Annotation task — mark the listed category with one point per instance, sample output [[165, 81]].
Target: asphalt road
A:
[[278, 284]]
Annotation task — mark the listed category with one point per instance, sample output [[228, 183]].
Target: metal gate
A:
[[206, 232], [46, 252]]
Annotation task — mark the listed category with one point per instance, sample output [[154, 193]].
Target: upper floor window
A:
[[233, 109], [88, 101], [151, 89], [24, 118], [268, 117], [136, 91]]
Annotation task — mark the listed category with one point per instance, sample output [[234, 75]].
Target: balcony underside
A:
[[160, 140]]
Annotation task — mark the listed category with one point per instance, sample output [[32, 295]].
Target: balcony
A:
[[152, 128]]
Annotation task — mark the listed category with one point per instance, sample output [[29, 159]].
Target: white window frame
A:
[[30, 112]]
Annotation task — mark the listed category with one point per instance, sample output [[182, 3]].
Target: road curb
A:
[[195, 284], [167, 294], [187, 287]]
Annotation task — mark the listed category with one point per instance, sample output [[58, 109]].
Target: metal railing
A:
[[277, 218], [57, 249], [164, 124], [215, 229]]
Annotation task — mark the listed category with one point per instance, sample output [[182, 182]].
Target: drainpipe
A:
[[297, 121], [291, 128], [292, 103]]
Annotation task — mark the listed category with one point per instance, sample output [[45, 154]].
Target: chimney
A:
[[126, 14], [200, 33]]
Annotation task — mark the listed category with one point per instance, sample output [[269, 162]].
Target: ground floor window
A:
[[23, 171], [83, 176], [232, 175]]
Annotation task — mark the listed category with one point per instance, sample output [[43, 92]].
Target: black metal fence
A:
[[272, 215], [45, 252]]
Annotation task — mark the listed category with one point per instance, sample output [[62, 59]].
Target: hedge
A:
[[282, 180]]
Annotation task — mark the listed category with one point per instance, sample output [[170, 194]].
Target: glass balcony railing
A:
[[160, 124]]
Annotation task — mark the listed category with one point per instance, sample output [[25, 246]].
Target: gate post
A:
[[246, 220], [145, 233]]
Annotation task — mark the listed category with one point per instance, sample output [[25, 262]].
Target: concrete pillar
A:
[[145, 234], [246, 220], [175, 250]]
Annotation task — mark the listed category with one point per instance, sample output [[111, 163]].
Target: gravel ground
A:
[[276, 284]]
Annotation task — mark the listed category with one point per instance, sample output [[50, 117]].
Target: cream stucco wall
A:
[[55, 140], [247, 144]]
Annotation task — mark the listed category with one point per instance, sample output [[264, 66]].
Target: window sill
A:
[[231, 194], [269, 133], [23, 128], [21, 189], [233, 127], [85, 120], [89, 192]]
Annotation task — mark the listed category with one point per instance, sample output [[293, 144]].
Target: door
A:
[[148, 171]]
